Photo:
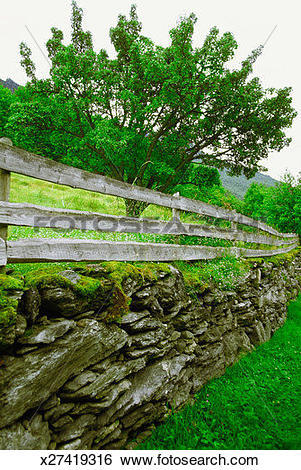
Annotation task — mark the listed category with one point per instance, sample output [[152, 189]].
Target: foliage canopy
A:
[[6, 99], [279, 205], [144, 115]]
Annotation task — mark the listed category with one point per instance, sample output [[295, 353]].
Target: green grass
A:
[[24, 189], [223, 272], [255, 405], [29, 190]]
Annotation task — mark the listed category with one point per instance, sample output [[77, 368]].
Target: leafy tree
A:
[[284, 205], [146, 114], [6, 99], [201, 176], [279, 206], [204, 183], [254, 201], [215, 194]]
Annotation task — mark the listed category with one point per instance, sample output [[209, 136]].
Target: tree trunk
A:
[[135, 208]]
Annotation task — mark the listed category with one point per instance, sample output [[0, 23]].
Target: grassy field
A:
[[46, 194], [255, 405], [29, 190]]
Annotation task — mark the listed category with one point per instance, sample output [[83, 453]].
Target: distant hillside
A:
[[10, 84], [238, 185]]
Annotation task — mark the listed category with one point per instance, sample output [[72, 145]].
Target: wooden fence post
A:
[[4, 195], [176, 215], [176, 212], [233, 225]]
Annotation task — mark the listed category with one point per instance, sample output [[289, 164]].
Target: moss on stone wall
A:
[[109, 280], [84, 286], [8, 305], [277, 260], [119, 273], [223, 272]]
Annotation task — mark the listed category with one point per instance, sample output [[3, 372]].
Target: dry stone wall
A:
[[69, 379]]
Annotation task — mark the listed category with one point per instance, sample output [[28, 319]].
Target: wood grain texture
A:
[[4, 196], [31, 215], [50, 250], [20, 161], [3, 257], [4, 185]]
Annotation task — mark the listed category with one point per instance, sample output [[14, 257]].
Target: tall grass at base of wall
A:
[[255, 405]]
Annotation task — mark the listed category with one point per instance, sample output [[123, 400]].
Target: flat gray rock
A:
[[47, 334], [28, 381], [35, 436], [95, 384], [154, 381], [76, 428], [132, 317]]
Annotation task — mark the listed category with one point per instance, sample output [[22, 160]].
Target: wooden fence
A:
[[13, 159]]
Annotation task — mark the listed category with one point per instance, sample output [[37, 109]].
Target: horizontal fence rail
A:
[[31, 215], [49, 250], [13, 159]]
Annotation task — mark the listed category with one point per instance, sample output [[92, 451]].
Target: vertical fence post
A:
[[176, 212], [176, 215], [234, 226], [4, 196]]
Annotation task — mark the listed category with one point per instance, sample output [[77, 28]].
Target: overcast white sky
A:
[[250, 21]]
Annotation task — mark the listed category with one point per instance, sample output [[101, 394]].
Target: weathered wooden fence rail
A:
[[42, 250], [37, 216], [13, 159]]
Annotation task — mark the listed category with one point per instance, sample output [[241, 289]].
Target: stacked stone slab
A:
[[74, 381]]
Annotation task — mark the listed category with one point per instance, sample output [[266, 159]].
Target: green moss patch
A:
[[9, 283], [118, 273], [7, 316], [104, 283], [84, 287], [223, 273], [121, 271], [8, 304], [277, 260]]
